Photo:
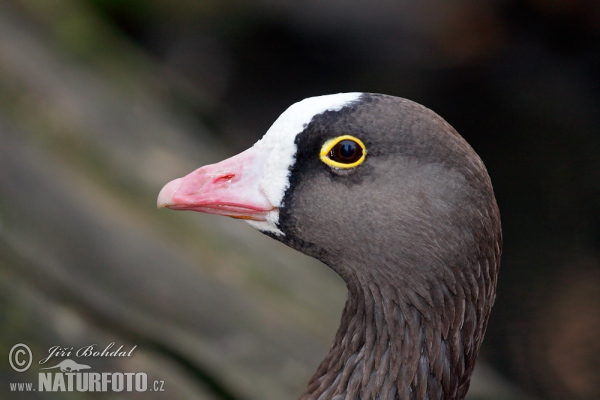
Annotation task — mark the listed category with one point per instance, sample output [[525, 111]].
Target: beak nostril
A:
[[224, 178]]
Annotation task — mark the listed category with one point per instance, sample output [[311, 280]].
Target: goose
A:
[[387, 194]]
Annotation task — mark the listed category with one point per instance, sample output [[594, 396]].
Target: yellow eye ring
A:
[[343, 152]]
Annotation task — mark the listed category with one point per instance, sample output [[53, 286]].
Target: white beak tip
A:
[[165, 197]]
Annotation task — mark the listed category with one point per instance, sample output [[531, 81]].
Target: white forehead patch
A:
[[280, 148]]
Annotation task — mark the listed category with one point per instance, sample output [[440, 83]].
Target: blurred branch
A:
[[80, 171]]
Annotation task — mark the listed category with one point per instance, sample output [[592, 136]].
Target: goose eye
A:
[[346, 152], [343, 152]]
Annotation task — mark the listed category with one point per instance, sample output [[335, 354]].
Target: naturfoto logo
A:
[[69, 375], [69, 366]]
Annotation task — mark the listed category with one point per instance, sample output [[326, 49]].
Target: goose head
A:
[[392, 198]]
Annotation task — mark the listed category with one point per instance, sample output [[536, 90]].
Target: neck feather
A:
[[396, 343]]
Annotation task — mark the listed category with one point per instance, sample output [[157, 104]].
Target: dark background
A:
[[102, 102]]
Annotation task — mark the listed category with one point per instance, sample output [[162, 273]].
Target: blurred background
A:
[[104, 101]]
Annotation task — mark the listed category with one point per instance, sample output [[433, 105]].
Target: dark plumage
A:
[[414, 231]]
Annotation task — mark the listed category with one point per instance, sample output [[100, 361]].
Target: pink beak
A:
[[230, 188]]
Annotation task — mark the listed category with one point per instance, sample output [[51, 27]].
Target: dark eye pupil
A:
[[346, 151]]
